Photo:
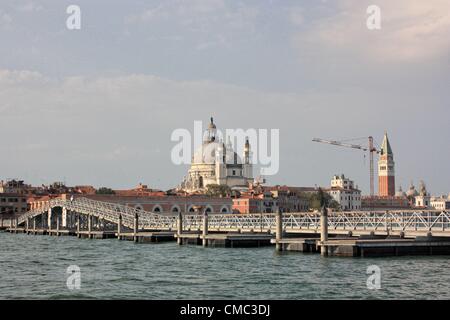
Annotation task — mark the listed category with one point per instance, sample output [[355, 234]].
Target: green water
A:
[[34, 267]]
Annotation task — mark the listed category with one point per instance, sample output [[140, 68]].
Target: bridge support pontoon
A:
[[179, 228], [119, 226], [205, 229], [49, 219], [323, 231], [136, 227], [57, 225], [64, 217], [279, 230], [89, 226], [78, 225]]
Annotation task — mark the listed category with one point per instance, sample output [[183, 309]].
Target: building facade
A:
[[386, 170], [378, 203], [290, 199], [263, 203], [216, 163], [440, 203], [15, 186], [423, 200], [12, 204], [344, 192]]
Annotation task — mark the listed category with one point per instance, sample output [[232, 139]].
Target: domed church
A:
[[216, 163]]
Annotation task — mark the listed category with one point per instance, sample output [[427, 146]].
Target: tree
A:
[[104, 190], [218, 190], [319, 199]]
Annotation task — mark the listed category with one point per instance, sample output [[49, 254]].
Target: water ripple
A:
[[34, 267]]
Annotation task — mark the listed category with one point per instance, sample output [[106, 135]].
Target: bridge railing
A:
[[408, 220], [389, 220], [105, 210], [395, 221]]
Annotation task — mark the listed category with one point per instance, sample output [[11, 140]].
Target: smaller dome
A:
[[400, 193], [412, 192]]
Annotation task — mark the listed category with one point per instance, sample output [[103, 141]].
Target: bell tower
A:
[[386, 170], [247, 164]]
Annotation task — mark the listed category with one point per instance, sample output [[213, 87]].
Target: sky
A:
[[98, 105]]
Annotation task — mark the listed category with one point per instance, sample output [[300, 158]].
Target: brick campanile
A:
[[386, 170]]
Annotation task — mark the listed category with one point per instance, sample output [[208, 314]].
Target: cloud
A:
[[21, 77], [296, 16], [208, 24], [5, 19], [30, 7], [411, 31], [115, 130]]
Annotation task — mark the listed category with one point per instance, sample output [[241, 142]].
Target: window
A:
[[234, 172]]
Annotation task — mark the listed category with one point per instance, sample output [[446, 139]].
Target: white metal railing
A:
[[107, 211], [406, 220]]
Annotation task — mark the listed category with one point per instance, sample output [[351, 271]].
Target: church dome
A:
[[215, 162], [400, 193], [209, 151], [412, 192]]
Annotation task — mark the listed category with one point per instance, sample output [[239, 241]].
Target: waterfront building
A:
[[140, 190], [412, 192], [216, 163], [12, 204], [14, 186], [262, 203], [13, 198], [290, 199], [269, 199], [386, 170], [84, 189], [385, 203], [423, 200], [440, 203], [344, 192], [166, 204], [400, 192]]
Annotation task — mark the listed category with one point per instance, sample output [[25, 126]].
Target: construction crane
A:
[[369, 148]]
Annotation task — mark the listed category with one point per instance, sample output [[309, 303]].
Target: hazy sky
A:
[[98, 105]]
